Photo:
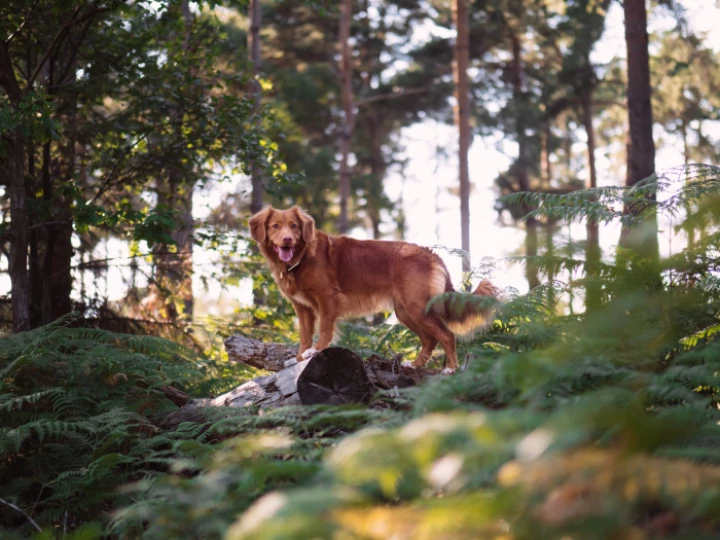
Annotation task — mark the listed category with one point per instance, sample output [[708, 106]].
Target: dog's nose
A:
[[287, 240]]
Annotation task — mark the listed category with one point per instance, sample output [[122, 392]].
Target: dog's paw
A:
[[407, 364], [309, 353], [290, 362], [447, 371]]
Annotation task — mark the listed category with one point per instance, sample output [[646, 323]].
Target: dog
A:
[[332, 277]]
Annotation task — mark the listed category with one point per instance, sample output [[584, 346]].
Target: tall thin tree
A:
[[348, 105], [641, 147], [174, 270], [592, 254], [12, 167], [522, 164], [462, 117], [255, 19]]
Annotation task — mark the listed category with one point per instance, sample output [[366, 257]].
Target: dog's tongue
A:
[[286, 253]]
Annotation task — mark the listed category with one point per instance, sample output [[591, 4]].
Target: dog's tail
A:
[[466, 314]]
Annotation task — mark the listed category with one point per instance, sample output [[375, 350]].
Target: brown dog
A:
[[329, 277]]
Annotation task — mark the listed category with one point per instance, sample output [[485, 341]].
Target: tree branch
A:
[[56, 41], [8, 80], [60, 36], [31, 520], [17, 32]]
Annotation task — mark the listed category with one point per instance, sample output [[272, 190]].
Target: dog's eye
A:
[[293, 226], [276, 226]]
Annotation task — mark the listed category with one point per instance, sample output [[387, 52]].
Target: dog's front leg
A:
[[328, 317], [306, 321]]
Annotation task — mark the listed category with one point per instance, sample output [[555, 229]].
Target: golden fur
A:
[[329, 277]]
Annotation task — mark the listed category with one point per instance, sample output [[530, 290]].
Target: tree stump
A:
[[334, 376]]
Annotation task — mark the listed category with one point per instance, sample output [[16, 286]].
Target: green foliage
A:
[[76, 410], [599, 425], [33, 117]]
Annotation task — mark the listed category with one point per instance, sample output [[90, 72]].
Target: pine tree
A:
[[641, 147]]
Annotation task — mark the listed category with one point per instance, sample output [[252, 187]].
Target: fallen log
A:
[[383, 373], [258, 354], [274, 390], [333, 376]]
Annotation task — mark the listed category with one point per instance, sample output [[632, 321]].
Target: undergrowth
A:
[[565, 425]]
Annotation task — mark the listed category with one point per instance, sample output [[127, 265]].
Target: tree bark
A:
[[276, 390], [377, 171], [57, 268], [59, 259], [641, 147], [174, 270], [256, 173], [19, 233], [545, 162], [347, 100], [13, 166], [276, 357], [593, 290], [268, 356], [531, 225], [462, 118], [333, 376], [173, 274]]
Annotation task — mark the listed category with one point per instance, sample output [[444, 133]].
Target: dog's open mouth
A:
[[285, 253]]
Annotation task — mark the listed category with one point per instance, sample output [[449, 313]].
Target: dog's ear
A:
[[258, 224], [308, 224]]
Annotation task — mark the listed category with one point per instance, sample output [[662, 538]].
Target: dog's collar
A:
[[289, 269]]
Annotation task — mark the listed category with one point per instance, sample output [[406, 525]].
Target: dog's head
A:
[[284, 231]]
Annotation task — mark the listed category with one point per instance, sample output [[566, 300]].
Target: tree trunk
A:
[[255, 18], [531, 235], [36, 283], [462, 119], [348, 124], [174, 270], [58, 261], [545, 163], [686, 148], [12, 166], [57, 251], [173, 274], [593, 291], [550, 251], [19, 233], [377, 171], [48, 237], [641, 147]]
